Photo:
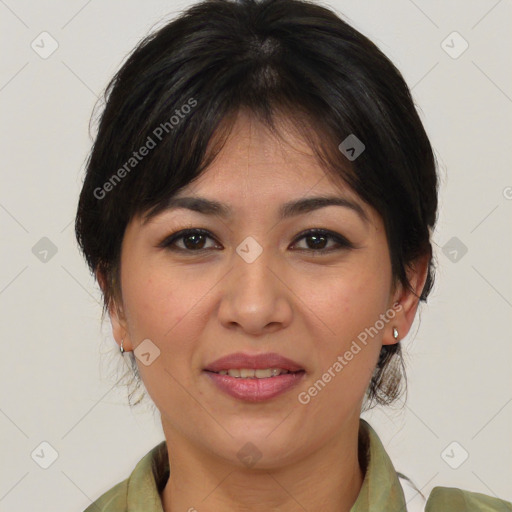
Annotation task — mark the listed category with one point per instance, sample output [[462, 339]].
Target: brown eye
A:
[[193, 240], [317, 240]]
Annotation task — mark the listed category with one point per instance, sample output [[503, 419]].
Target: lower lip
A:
[[254, 389]]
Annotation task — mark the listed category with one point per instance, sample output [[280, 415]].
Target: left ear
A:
[[404, 301]]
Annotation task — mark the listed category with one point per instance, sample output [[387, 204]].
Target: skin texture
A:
[[308, 305]]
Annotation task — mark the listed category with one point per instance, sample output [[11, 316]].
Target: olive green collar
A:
[[381, 489]]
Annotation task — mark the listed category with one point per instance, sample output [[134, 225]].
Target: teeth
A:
[[248, 373]]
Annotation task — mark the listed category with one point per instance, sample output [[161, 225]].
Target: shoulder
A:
[[450, 499], [140, 491], [114, 500]]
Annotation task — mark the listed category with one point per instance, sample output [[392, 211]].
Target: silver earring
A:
[[121, 347], [395, 333]]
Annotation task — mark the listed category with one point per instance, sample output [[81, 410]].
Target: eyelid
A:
[[181, 233], [342, 242]]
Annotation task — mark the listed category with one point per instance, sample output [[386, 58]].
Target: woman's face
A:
[[257, 283]]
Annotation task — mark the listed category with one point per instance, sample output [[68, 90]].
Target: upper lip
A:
[[257, 361]]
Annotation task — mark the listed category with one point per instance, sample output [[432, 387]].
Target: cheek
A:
[[160, 301], [163, 304], [345, 306], [346, 303], [345, 356]]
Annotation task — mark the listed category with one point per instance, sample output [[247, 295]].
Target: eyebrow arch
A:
[[299, 207]]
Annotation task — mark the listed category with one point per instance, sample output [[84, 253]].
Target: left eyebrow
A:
[[290, 209], [310, 204]]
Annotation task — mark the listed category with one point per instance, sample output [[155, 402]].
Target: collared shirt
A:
[[381, 489]]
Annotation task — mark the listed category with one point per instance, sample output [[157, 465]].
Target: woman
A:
[[257, 209]]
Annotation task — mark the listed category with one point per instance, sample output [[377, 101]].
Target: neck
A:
[[200, 481]]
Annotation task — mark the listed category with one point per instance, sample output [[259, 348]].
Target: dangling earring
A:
[[121, 347], [395, 333]]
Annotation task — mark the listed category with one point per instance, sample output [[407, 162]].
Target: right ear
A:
[[117, 318]]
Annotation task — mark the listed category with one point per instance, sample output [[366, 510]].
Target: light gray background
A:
[[56, 358]]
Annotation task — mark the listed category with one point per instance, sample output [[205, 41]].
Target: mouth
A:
[[254, 378]]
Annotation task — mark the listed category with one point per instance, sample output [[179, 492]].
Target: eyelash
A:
[[343, 243]]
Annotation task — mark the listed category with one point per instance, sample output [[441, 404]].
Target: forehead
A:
[[254, 161]]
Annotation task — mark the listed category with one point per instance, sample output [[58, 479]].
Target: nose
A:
[[255, 296]]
